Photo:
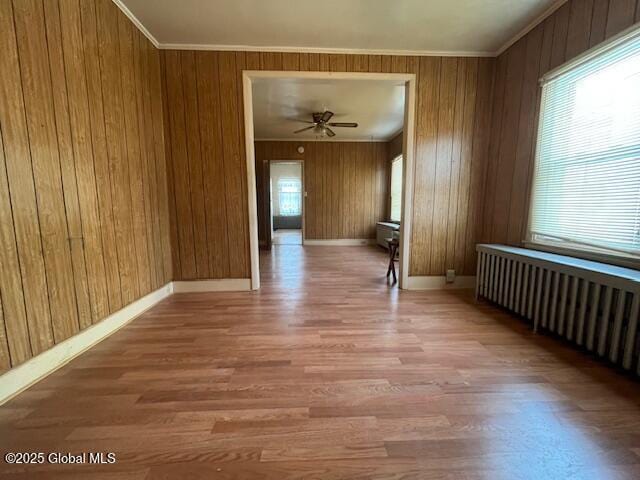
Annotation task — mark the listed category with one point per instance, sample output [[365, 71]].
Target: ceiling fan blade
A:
[[326, 116], [330, 132], [343, 124], [317, 117], [304, 129]]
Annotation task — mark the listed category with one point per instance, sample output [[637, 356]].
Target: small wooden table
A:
[[393, 250]]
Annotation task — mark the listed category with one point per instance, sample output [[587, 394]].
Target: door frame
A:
[[302, 195], [408, 142]]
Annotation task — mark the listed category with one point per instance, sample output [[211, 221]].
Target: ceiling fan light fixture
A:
[[320, 125]]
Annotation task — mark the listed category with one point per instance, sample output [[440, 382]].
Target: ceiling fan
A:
[[321, 124]]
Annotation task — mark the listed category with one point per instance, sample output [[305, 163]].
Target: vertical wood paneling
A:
[[336, 192], [136, 230], [579, 27], [80, 123], [572, 29], [171, 184], [150, 169], [145, 177], [346, 210], [103, 173], [110, 69], [444, 149], [461, 219], [425, 164], [516, 221], [212, 155], [244, 61], [271, 61], [5, 360], [192, 125], [598, 21], [81, 177], [620, 16], [357, 63], [481, 135], [508, 145], [67, 167], [375, 63], [494, 146], [291, 61], [338, 63], [230, 113], [180, 164], [456, 164], [41, 125], [159, 142], [560, 31], [17, 333]]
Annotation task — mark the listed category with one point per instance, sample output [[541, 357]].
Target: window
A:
[[289, 197], [396, 189], [586, 188]]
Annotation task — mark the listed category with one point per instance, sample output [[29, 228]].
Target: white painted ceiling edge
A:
[[418, 53]]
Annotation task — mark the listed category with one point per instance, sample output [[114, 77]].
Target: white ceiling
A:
[[279, 105], [410, 26]]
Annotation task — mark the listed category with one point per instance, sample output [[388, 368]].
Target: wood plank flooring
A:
[[329, 373]]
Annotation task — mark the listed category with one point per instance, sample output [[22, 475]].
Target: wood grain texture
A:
[[78, 202], [568, 32], [435, 247], [342, 181], [251, 385], [15, 344]]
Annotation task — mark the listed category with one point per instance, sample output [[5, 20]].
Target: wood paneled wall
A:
[[207, 167], [346, 185], [572, 29], [208, 182], [83, 214]]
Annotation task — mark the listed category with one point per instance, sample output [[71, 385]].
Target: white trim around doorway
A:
[[406, 79]]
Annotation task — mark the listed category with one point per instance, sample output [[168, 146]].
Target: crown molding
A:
[[136, 22], [343, 51], [533, 24]]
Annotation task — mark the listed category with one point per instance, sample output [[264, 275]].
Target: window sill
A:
[[611, 259]]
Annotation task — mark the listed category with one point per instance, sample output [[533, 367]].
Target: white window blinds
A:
[[586, 190], [396, 189]]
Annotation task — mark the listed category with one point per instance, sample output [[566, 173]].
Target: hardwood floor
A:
[[329, 373], [287, 237]]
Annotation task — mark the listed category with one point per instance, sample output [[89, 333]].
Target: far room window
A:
[[289, 196], [396, 189], [586, 189]]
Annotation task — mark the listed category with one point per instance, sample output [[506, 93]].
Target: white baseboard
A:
[[23, 376], [213, 285], [440, 283], [341, 242]]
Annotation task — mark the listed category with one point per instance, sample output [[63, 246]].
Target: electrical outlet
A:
[[451, 276]]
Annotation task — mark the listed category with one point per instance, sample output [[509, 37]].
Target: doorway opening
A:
[[345, 186], [286, 202]]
